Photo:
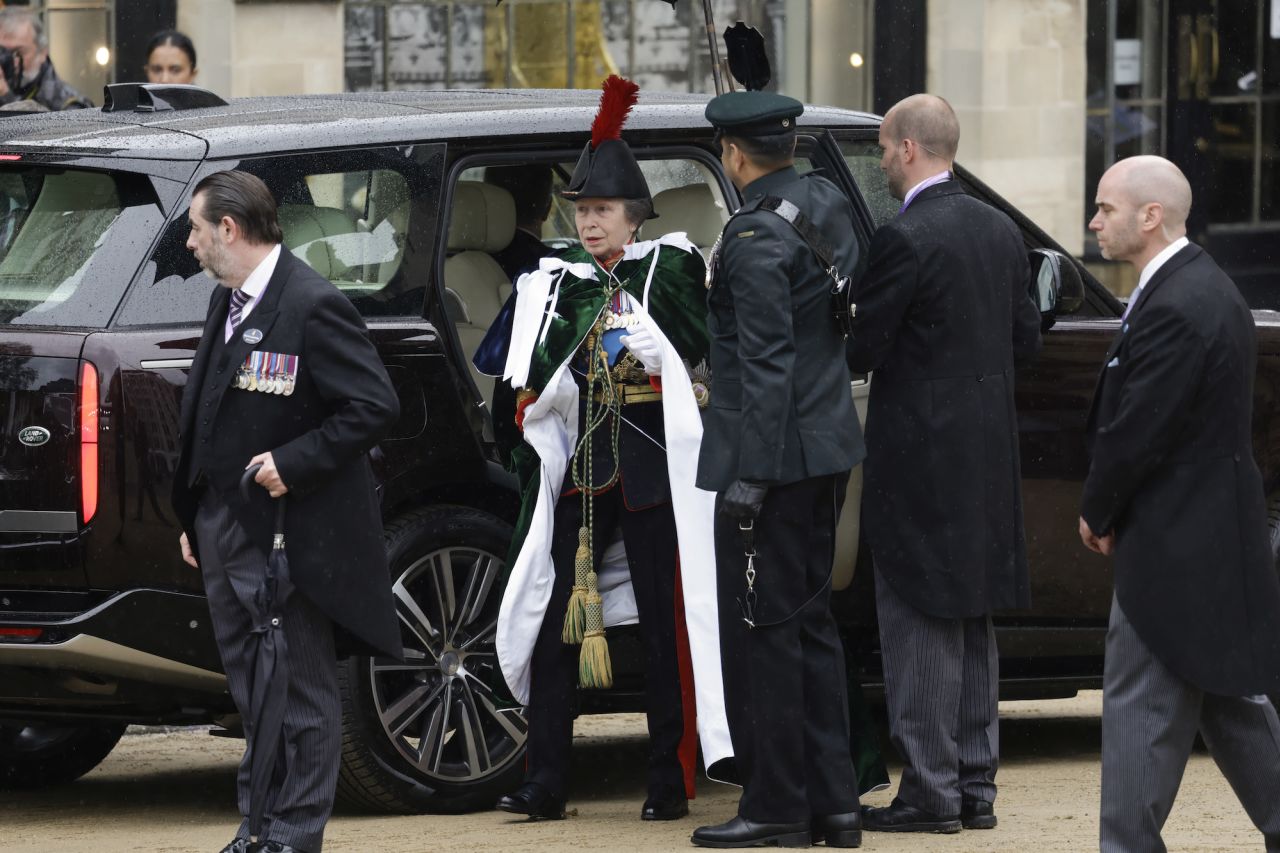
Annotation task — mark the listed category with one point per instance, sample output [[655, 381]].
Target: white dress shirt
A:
[[1152, 267], [253, 287]]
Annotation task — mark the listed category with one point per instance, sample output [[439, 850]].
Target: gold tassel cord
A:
[[584, 619], [575, 616], [595, 670]]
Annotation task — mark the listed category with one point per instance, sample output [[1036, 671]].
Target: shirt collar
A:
[[261, 275], [1153, 265], [944, 175]]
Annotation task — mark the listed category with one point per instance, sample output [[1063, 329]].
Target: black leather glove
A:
[[743, 499]]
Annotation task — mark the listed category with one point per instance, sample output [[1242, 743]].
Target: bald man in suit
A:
[[1174, 496]]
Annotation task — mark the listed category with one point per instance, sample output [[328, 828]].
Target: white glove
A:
[[645, 348]]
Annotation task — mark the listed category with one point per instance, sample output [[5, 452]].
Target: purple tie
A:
[[238, 300]]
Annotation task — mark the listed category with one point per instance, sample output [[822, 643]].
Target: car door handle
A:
[[166, 363]]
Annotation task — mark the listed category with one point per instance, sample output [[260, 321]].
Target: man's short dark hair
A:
[[768, 152], [244, 198], [530, 188]]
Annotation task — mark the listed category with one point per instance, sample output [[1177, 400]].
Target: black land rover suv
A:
[[101, 307]]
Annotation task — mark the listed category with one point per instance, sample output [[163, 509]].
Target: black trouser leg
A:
[[650, 539], [788, 712], [554, 667]]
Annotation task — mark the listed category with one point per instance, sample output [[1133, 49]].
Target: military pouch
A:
[[843, 309]]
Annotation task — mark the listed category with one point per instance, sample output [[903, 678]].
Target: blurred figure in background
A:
[[530, 187], [28, 71], [171, 58]]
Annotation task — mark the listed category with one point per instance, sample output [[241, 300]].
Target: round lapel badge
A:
[[252, 337], [33, 436]]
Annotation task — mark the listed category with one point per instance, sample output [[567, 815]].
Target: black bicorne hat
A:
[[607, 168]]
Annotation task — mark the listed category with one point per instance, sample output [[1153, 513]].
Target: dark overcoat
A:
[[942, 311], [1173, 476], [319, 437], [781, 409]]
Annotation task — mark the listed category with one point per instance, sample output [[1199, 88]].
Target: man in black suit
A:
[[1174, 495], [285, 376], [942, 312], [530, 188], [779, 440]]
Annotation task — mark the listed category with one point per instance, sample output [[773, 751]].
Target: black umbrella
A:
[[270, 688]]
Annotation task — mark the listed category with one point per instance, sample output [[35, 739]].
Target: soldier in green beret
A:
[[779, 441]]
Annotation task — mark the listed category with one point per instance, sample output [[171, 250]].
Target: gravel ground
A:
[[173, 790]]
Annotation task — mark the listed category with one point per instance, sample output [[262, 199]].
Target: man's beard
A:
[[215, 264]]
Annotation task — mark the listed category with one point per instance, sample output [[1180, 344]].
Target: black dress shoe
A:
[[838, 830], [977, 814], [665, 804], [741, 832], [241, 845], [277, 847], [533, 800], [900, 817]]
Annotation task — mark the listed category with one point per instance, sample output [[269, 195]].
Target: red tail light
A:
[[20, 635], [88, 441]]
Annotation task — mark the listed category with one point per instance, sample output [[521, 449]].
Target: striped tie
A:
[[238, 299]]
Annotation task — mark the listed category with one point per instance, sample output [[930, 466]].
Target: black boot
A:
[[741, 832], [837, 830]]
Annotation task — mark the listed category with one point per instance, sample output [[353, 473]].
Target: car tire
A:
[[42, 755], [433, 734]]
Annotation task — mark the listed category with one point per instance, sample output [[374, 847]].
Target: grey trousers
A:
[[306, 777], [1149, 721], [941, 679]]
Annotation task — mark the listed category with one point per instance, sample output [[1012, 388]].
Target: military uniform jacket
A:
[[1173, 477], [319, 436], [781, 409], [943, 309]]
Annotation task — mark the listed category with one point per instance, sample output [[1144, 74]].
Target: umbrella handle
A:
[[246, 480], [247, 483]]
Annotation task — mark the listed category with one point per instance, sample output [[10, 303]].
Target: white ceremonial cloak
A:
[[551, 429]]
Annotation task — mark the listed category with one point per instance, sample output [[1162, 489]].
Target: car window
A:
[[862, 156], [494, 230], [70, 240], [348, 215]]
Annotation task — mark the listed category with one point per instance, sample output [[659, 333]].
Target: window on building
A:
[[475, 44], [1217, 64]]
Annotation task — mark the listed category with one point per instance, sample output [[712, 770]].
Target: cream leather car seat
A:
[[309, 233], [694, 210], [483, 220]]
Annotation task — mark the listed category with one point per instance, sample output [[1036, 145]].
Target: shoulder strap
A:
[[804, 227]]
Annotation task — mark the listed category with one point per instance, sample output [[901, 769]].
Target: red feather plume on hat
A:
[[616, 101]]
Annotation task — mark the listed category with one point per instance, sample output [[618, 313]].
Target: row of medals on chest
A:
[[269, 383]]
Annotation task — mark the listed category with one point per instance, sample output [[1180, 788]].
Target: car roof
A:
[[248, 126]]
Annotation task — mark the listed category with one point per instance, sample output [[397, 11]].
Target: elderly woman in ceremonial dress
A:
[[604, 342]]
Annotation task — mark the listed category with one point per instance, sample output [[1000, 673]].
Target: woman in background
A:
[[171, 58]]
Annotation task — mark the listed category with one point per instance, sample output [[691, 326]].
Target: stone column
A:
[[1015, 72], [267, 47]]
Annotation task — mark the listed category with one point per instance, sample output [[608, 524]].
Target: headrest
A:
[[692, 209], [305, 228], [483, 218]]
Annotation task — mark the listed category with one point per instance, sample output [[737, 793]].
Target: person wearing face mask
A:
[[602, 345], [24, 36], [171, 58]]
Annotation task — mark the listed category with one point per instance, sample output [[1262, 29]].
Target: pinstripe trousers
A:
[[941, 680], [1149, 722], [306, 776]]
